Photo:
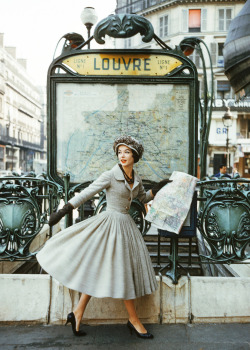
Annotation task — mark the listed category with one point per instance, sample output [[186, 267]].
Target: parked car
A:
[[5, 173]]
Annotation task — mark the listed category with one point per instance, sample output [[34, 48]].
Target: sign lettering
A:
[[228, 103], [122, 64]]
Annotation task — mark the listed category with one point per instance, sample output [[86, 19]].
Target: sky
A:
[[34, 27]]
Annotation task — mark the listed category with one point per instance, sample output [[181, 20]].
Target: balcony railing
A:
[[12, 141], [139, 5]]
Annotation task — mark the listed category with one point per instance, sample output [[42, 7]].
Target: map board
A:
[[89, 116]]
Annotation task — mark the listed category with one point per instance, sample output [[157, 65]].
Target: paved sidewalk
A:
[[115, 337]]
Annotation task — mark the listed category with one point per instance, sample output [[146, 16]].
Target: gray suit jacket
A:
[[118, 192]]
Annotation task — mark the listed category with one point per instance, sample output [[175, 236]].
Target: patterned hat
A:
[[130, 142]]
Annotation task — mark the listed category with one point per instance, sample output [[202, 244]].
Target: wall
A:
[[200, 299]]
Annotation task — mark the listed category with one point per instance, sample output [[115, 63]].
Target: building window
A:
[[137, 6], [220, 61], [195, 57], [216, 51], [223, 89], [225, 17], [129, 6], [194, 20], [243, 126], [163, 24], [127, 43]]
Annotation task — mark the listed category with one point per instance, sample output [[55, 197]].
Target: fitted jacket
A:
[[119, 195]]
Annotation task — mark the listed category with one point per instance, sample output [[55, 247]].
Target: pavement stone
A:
[[113, 337]]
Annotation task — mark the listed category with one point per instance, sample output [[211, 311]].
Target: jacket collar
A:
[[119, 176]]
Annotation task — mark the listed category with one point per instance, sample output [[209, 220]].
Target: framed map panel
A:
[[89, 116]]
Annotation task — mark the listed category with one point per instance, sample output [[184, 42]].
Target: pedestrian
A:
[[105, 255], [222, 172]]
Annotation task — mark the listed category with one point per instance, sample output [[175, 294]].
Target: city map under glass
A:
[[90, 116]]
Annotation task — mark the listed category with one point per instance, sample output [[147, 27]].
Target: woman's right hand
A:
[[56, 216], [156, 188]]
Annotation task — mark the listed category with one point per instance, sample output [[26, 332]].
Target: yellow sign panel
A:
[[122, 64]]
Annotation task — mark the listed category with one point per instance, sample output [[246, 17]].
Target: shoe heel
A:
[[68, 320], [130, 328]]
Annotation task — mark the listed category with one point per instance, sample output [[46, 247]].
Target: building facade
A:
[[21, 118], [208, 20]]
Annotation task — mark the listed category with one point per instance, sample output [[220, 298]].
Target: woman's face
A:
[[125, 156]]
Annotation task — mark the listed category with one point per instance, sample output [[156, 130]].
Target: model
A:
[[105, 255]]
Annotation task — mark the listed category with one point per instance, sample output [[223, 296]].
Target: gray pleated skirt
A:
[[103, 256]]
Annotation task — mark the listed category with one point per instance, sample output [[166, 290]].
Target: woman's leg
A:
[[80, 308], [133, 318]]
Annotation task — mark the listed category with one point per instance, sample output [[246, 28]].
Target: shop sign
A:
[[228, 103], [220, 131]]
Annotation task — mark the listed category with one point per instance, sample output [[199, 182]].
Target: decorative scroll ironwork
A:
[[123, 26], [224, 220], [25, 203]]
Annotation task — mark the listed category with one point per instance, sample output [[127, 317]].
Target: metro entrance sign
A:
[[97, 95], [122, 64]]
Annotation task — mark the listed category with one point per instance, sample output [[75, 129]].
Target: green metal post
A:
[[173, 273], [68, 217]]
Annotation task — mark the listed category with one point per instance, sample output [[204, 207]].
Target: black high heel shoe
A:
[[71, 319], [140, 335]]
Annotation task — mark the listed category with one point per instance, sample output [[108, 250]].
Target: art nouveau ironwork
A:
[[224, 219], [124, 26], [25, 203]]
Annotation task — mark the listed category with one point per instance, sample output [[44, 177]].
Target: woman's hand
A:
[[159, 185], [56, 216]]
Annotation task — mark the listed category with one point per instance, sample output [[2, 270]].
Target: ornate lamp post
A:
[[89, 18], [188, 45], [227, 120]]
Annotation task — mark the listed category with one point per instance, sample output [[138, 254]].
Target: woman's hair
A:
[[135, 146]]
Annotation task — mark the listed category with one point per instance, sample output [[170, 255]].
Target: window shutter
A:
[[203, 20], [228, 18], [166, 26], [185, 20], [213, 52], [161, 27], [221, 19]]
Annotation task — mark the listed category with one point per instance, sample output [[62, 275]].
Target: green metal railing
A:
[[223, 217]]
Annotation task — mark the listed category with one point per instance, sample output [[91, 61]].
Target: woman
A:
[[105, 255]]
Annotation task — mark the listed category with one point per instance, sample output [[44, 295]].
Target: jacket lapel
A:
[[136, 181], [118, 174]]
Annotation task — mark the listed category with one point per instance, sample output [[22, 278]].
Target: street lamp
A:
[[188, 45], [89, 18], [227, 120]]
